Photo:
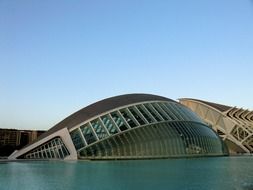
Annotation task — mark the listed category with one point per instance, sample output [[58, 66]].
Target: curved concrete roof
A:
[[101, 107], [219, 107]]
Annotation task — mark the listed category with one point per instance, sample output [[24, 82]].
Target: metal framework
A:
[[234, 125], [144, 129], [54, 149]]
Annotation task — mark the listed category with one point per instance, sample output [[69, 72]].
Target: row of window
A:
[[127, 118], [159, 140], [54, 149]]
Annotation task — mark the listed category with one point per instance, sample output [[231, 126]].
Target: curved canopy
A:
[[101, 107]]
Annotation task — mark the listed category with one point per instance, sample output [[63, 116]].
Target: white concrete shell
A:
[[134, 126], [234, 125]]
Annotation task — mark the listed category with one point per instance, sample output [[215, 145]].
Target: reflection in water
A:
[[196, 173]]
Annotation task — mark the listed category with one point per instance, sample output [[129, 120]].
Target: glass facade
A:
[[54, 149], [140, 126], [161, 140], [146, 130]]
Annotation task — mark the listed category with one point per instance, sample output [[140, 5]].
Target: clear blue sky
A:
[[58, 56]]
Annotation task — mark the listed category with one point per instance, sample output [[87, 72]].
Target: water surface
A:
[[196, 173]]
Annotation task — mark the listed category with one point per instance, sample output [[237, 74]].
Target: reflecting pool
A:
[[195, 173]]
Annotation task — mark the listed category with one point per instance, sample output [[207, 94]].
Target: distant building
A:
[[133, 126], [234, 125], [12, 139]]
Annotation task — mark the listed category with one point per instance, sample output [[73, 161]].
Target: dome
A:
[[132, 126]]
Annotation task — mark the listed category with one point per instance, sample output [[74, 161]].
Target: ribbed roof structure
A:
[[219, 107], [131, 126], [101, 107], [234, 125]]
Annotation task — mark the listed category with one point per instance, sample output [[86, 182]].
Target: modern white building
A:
[[132, 126], [234, 125]]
